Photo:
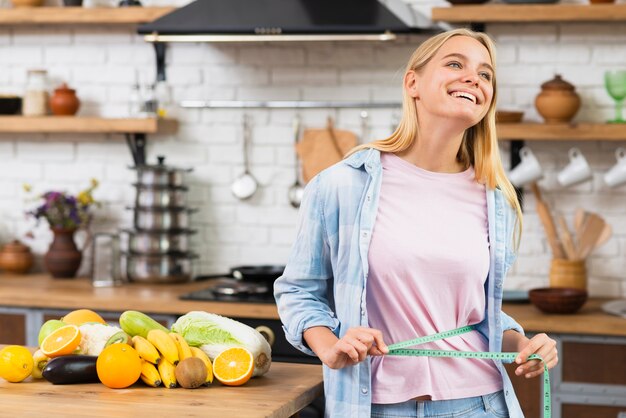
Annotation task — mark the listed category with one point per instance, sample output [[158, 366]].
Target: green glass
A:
[[615, 83]]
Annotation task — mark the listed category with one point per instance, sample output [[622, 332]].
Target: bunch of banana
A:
[[207, 362]]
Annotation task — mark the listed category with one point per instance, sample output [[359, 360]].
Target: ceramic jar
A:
[[16, 258], [558, 101], [64, 101]]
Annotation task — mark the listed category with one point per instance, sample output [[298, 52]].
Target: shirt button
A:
[[500, 212], [364, 390], [498, 285], [369, 198], [364, 234]]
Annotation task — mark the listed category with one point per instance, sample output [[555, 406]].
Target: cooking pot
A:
[[158, 242], [160, 196], [160, 219], [160, 174], [163, 268], [261, 273]]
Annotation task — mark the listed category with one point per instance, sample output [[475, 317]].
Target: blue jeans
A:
[[485, 406]]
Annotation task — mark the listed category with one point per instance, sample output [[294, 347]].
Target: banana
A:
[[205, 359], [184, 351], [146, 349], [40, 360], [168, 373], [165, 345], [149, 374]]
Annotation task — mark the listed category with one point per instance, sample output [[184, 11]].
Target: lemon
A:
[[16, 363]]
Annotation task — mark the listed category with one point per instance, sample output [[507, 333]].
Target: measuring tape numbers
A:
[[398, 349]]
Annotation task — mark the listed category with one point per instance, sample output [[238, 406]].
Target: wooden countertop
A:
[[590, 320], [41, 291], [282, 392]]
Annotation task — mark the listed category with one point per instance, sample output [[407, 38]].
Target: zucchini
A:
[[138, 323], [70, 369]]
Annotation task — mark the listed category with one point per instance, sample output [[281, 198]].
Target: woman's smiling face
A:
[[457, 83]]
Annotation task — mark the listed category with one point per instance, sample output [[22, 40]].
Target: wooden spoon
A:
[[548, 224], [593, 228], [568, 242]]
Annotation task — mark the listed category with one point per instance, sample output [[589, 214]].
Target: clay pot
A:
[[63, 257], [64, 101], [16, 258], [557, 102]]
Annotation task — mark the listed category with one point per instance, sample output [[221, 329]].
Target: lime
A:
[[48, 327]]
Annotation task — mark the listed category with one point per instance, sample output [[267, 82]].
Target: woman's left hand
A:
[[541, 345]]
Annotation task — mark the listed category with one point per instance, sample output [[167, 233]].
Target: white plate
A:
[[615, 307]]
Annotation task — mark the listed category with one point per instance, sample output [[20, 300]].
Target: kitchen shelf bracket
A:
[[137, 144], [516, 146], [159, 51]]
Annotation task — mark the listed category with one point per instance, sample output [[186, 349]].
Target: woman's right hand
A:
[[354, 347]]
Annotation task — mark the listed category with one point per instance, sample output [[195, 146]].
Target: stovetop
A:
[[259, 293], [209, 295]]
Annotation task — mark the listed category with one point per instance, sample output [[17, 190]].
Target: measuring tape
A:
[[398, 349]]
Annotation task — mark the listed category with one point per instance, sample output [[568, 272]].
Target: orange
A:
[[118, 366], [16, 363], [80, 316], [233, 366], [61, 341]]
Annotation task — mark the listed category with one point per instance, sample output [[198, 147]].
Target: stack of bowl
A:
[[157, 249]]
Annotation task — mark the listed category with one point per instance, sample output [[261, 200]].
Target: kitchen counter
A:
[[282, 392], [41, 291]]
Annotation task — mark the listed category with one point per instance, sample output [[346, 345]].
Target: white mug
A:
[[576, 171], [617, 174], [527, 171]]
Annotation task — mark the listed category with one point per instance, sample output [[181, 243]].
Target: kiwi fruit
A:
[[191, 373]]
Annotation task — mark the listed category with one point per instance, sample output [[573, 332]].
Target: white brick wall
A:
[[101, 64]]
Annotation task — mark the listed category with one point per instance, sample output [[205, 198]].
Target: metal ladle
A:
[[245, 185], [296, 191]]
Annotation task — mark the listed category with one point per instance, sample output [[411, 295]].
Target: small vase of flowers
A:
[[65, 213]]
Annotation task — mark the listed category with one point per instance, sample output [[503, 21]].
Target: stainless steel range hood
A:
[[281, 20]]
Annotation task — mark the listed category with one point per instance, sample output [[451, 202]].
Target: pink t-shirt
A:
[[428, 263]]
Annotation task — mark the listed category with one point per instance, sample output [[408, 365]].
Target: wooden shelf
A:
[[566, 132], [531, 13], [73, 124], [81, 15]]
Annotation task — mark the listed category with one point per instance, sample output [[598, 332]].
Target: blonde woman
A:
[[411, 236]]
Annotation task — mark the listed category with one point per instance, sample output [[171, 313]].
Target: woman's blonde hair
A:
[[479, 147]]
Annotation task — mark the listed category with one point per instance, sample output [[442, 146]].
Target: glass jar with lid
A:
[[35, 101]]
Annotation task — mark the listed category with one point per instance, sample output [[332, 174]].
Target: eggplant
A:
[[70, 369]]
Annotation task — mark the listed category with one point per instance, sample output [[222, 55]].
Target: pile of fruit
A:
[[82, 348]]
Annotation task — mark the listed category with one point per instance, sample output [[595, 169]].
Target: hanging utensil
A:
[[548, 224], [568, 241], [296, 191], [245, 185]]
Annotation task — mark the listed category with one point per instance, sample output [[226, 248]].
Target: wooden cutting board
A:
[[319, 149]]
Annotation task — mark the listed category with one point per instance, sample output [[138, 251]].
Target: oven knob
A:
[[267, 333]]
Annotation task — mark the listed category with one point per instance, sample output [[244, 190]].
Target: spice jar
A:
[[64, 101], [16, 257], [557, 102], [35, 101]]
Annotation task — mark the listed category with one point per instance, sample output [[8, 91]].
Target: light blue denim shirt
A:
[[336, 221]]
